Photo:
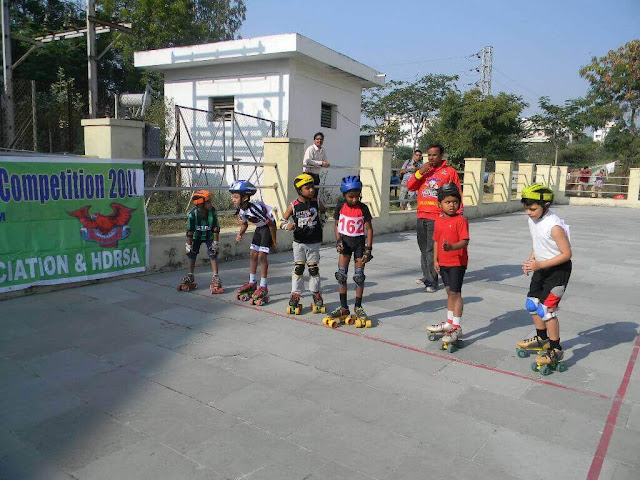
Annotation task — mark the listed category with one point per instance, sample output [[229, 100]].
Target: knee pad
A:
[[298, 269], [314, 270], [544, 313], [359, 276], [532, 305], [213, 254], [341, 276]]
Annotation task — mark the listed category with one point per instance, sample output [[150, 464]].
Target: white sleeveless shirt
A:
[[544, 246]]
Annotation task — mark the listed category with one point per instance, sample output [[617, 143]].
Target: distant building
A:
[[533, 134], [601, 133], [301, 85]]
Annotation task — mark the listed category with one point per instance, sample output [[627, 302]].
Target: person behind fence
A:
[[583, 180], [450, 259], [315, 157], [263, 242], [408, 169], [202, 227], [354, 237], [598, 185], [550, 263], [394, 182], [427, 181], [307, 214]]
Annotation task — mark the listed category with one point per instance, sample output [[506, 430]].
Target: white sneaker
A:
[[420, 282], [430, 289], [409, 207]]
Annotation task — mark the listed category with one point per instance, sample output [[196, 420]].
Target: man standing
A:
[[408, 169], [585, 175], [427, 181], [315, 158]]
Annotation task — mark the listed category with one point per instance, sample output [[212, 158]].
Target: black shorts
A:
[[452, 277], [262, 241], [195, 249], [548, 285], [353, 246]]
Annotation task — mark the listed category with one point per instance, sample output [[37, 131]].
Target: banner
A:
[[68, 219]]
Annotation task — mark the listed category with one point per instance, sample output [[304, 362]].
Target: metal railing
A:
[[610, 188]]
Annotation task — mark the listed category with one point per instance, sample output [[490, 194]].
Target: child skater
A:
[[550, 263], [307, 214], [202, 227], [450, 240], [264, 239], [354, 236]]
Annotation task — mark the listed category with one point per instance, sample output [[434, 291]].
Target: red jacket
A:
[[427, 186]]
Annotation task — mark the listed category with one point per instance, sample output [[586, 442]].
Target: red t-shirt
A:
[[452, 229]]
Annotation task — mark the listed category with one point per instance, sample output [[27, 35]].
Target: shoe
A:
[[533, 343], [444, 327], [453, 336], [419, 281], [549, 357], [430, 289]]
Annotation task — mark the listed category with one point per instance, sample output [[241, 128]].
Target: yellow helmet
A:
[[538, 192], [302, 180]]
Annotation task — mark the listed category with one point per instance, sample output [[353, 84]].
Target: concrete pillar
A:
[[525, 177], [543, 174], [375, 174], [561, 194], [473, 183], [113, 138], [502, 181], [283, 159], [634, 186]]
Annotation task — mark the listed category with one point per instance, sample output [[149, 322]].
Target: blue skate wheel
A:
[[433, 337], [534, 366], [522, 353], [562, 367], [451, 348], [546, 370]]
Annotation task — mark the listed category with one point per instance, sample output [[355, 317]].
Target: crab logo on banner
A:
[[106, 230]]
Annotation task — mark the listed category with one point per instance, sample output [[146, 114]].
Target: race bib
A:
[[351, 226]]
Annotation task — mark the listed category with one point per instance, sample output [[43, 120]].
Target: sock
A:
[[450, 316], [263, 282], [555, 344], [343, 301], [252, 278], [358, 302], [542, 334], [456, 321]]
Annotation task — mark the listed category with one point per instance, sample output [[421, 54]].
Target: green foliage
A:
[[410, 103], [471, 125], [402, 153], [579, 154], [614, 92]]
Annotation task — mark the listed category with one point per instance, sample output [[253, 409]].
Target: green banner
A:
[[68, 219]]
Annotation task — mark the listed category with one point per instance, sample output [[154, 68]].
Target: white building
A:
[[301, 85], [601, 133], [533, 133]]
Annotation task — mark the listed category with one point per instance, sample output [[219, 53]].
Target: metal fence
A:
[[610, 187]]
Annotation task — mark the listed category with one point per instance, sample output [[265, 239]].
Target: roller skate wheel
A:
[[323, 309], [359, 323], [298, 310], [289, 309], [534, 366], [432, 337], [314, 309], [451, 348], [326, 321], [562, 367], [546, 370], [333, 323], [350, 320], [460, 344], [368, 324], [522, 353]]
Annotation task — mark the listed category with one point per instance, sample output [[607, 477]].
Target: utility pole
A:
[[486, 56], [7, 74], [91, 56]]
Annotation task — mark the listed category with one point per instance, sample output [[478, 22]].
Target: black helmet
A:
[[448, 189]]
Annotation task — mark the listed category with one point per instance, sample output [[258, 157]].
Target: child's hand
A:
[[274, 246], [525, 269], [446, 246], [436, 266], [532, 265], [238, 238]]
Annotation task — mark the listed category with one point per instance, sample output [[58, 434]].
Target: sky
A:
[[538, 47]]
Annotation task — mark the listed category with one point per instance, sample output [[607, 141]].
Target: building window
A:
[[328, 115], [221, 108]]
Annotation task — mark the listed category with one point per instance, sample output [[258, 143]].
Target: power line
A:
[[431, 60], [517, 83]]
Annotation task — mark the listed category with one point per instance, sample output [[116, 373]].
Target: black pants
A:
[[424, 228]]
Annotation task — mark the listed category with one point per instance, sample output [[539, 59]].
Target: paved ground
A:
[[132, 379]]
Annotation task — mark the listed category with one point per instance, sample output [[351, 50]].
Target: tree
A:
[[473, 125], [405, 103], [614, 91], [560, 123]]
